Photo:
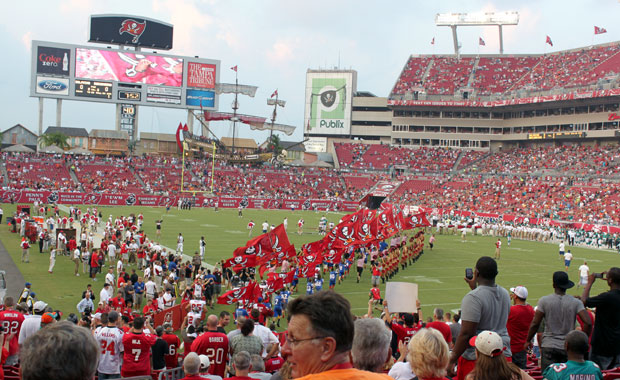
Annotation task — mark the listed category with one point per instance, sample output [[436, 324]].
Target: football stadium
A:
[[463, 225]]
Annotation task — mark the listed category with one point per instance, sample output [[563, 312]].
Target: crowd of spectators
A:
[[502, 75]]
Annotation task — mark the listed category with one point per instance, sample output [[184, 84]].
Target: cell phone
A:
[[469, 273], [598, 275]]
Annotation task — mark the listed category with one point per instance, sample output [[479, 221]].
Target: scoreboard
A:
[[121, 76], [555, 135]]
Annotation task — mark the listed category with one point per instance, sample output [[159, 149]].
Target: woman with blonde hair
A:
[[491, 364], [428, 355]]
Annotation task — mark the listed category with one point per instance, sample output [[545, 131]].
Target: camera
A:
[[469, 273], [598, 275]]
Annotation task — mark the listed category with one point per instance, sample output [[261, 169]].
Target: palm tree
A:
[[274, 145], [56, 138]]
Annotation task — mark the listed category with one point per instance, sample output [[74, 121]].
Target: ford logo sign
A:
[[52, 85]]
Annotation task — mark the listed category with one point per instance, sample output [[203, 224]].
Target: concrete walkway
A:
[[14, 278]]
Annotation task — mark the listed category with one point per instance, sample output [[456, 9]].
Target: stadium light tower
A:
[[477, 19]]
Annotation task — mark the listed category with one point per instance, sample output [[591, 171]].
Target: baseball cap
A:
[[520, 291], [39, 306], [488, 343], [204, 362], [560, 280]]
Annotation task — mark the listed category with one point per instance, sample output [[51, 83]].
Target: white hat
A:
[[488, 343], [520, 291], [204, 362], [39, 306]]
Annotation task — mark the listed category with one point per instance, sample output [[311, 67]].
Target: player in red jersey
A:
[[137, 345], [213, 344], [172, 357], [409, 329], [11, 322]]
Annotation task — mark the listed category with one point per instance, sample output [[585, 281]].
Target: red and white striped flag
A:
[[275, 93], [598, 30], [481, 41], [549, 41], [433, 41], [234, 68]]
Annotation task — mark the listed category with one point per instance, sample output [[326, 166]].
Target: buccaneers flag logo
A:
[[134, 28]]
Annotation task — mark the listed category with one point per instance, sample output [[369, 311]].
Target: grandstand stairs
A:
[[457, 162], [474, 162], [611, 61], [428, 70], [136, 176], [74, 177], [515, 84], [472, 75]]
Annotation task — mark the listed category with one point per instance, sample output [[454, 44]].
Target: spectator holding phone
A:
[[606, 335], [485, 307]]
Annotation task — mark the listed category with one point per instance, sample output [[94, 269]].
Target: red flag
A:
[[275, 283], [481, 41], [549, 41], [275, 93], [598, 30], [433, 41], [286, 277], [234, 68], [415, 220], [273, 244], [239, 262]]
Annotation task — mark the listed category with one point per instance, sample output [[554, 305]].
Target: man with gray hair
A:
[[258, 368], [441, 326], [191, 367], [60, 351], [371, 345], [242, 364]]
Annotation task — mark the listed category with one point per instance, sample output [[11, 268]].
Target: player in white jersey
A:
[[196, 309], [180, 244], [197, 289], [110, 340]]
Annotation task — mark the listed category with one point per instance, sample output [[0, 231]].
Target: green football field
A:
[[439, 273]]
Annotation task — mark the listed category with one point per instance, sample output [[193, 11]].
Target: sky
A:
[[274, 42]]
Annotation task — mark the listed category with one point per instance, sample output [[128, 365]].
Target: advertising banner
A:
[[52, 86], [53, 60], [200, 98], [200, 75], [328, 102], [128, 67], [164, 95], [316, 145]]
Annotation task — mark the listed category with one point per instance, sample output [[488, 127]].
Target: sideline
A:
[[14, 279], [98, 237]]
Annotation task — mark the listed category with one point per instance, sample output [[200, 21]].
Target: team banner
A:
[[132, 199]]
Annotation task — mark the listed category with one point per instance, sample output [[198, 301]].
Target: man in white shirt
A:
[[150, 289], [157, 274], [111, 253], [110, 339], [52, 260], [109, 278], [567, 259], [561, 251], [265, 226], [77, 258], [104, 295], [584, 272], [179, 244], [268, 337], [32, 323]]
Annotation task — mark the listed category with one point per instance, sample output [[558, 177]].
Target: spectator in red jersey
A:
[[375, 296], [274, 363], [519, 320], [214, 344], [408, 329], [172, 357], [11, 321], [60, 351], [94, 264], [137, 355], [441, 326]]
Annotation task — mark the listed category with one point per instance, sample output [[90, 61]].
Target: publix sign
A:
[[52, 86], [328, 102]]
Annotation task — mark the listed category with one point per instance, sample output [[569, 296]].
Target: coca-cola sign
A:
[[51, 60]]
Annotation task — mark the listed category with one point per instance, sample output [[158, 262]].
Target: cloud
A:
[[190, 23], [283, 51]]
